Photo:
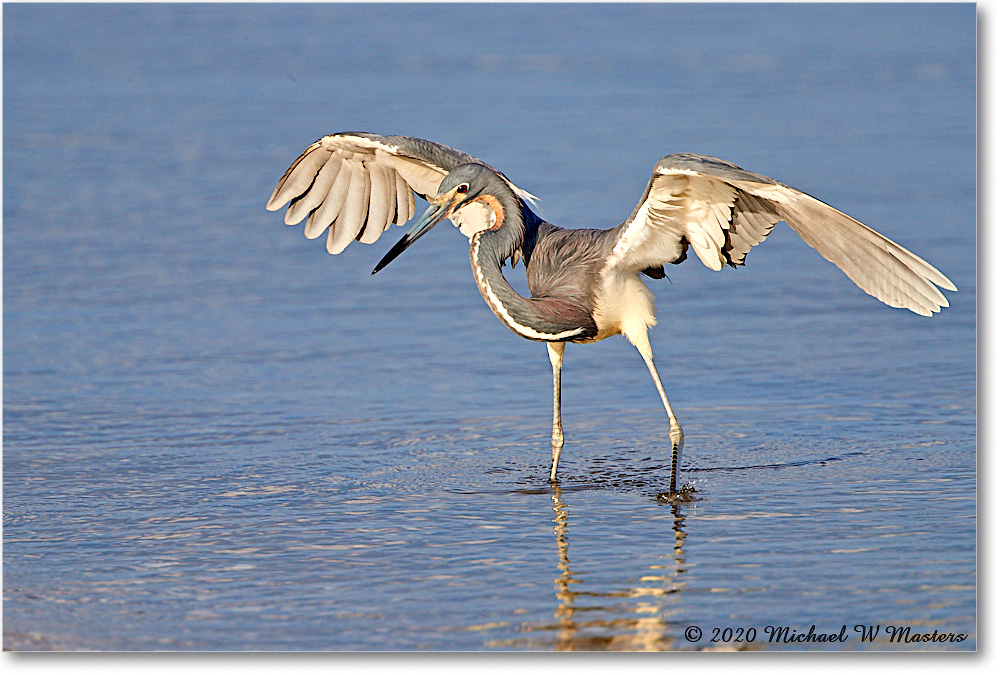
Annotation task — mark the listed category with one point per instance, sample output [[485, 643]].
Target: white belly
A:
[[624, 305]]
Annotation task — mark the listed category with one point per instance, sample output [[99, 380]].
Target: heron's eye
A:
[[462, 189]]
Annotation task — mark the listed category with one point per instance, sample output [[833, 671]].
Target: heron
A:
[[585, 284]]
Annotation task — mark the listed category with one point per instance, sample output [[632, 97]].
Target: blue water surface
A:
[[218, 437]]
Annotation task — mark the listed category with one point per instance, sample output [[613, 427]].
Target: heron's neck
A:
[[516, 226], [487, 253]]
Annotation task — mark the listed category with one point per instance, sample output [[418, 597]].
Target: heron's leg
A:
[[556, 350], [676, 434]]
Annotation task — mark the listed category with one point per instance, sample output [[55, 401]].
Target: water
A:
[[218, 437]]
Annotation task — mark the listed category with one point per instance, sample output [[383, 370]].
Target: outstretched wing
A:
[[358, 184], [721, 211]]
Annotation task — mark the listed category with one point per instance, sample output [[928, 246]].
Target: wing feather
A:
[[387, 170], [403, 197], [390, 215], [378, 202], [303, 205], [352, 217], [752, 222], [411, 207], [327, 213], [299, 176], [878, 265], [723, 211]]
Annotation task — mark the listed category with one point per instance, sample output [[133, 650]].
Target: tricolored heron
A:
[[585, 284]]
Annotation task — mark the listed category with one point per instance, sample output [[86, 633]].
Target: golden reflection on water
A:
[[632, 618]]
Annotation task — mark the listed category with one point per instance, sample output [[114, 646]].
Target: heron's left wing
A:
[[722, 211], [358, 184]]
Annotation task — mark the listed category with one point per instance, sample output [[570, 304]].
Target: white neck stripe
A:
[[497, 306]]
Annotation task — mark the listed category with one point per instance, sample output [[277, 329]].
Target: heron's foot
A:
[[683, 496]]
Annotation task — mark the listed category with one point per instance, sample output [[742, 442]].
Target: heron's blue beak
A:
[[432, 216]]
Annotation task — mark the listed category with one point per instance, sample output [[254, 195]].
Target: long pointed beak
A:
[[432, 216]]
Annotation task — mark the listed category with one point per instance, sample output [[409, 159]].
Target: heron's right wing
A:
[[358, 184], [722, 211]]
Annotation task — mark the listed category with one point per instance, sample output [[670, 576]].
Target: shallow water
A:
[[218, 437]]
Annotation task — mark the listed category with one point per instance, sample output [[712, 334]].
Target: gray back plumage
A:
[[567, 263]]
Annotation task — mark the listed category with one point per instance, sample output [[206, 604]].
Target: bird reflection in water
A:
[[647, 629]]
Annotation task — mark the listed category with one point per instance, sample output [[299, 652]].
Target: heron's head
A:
[[465, 184]]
